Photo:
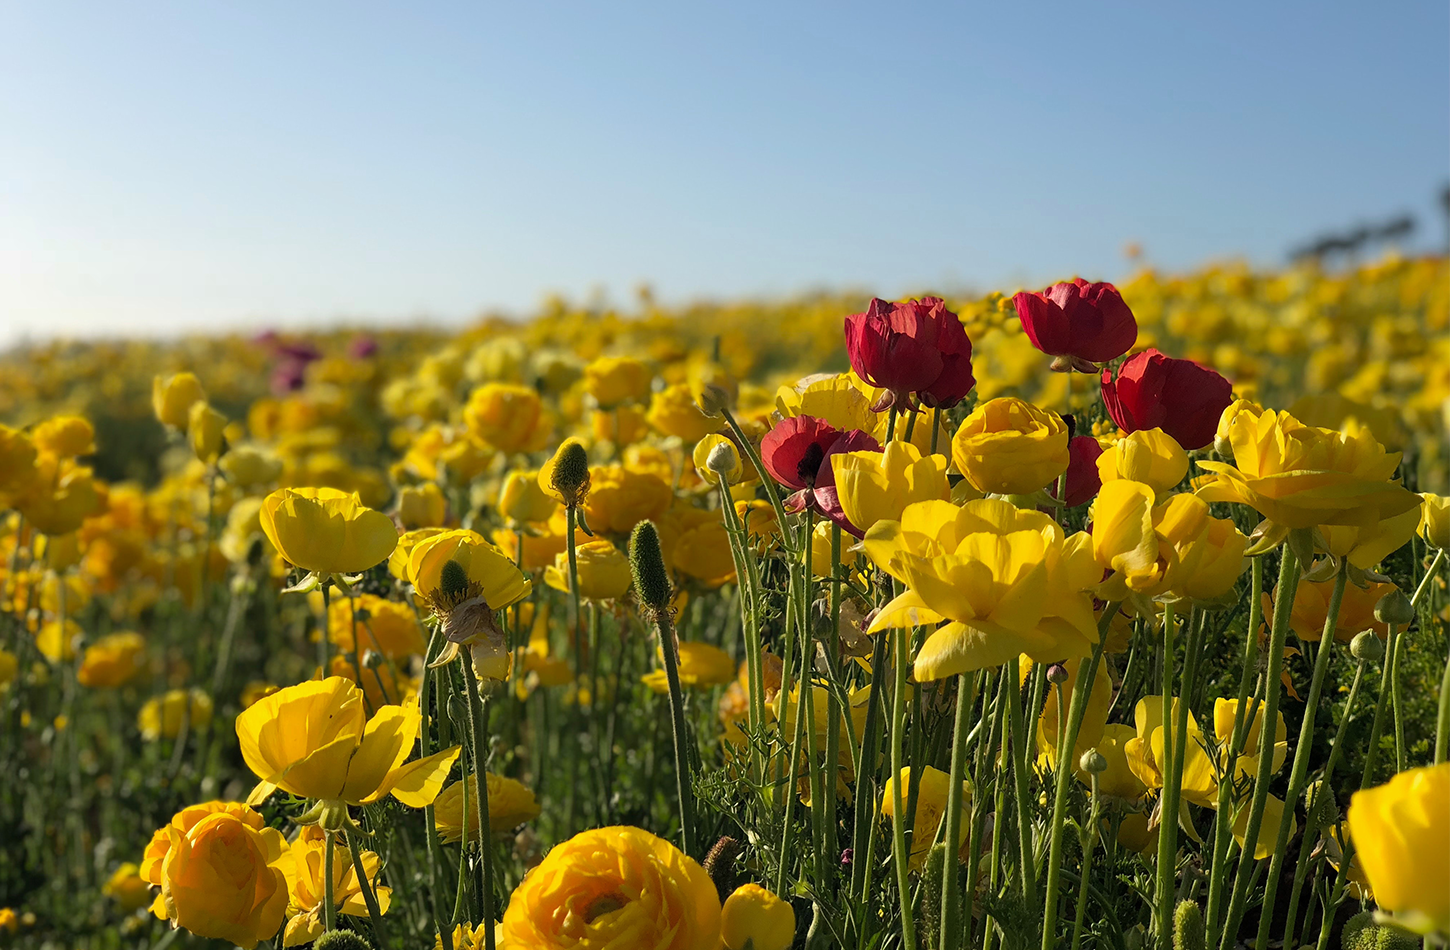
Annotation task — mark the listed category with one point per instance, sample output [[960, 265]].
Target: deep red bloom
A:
[[1089, 322], [914, 347], [1181, 397], [797, 453], [1083, 481]]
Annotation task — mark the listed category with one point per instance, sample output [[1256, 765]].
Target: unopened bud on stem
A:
[[1394, 608], [647, 564]]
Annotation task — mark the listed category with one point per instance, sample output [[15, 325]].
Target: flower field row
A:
[[1092, 616]]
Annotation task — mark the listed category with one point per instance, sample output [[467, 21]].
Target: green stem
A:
[[1223, 830], [935, 427], [1172, 782], [1027, 860], [571, 516], [323, 647], [765, 477], [1089, 841], [866, 768], [1283, 603], [478, 727], [902, 639], [1300, 771], [435, 857], [1066, 742], [951, 891], [683, 786], [329, 904], [375, 914]]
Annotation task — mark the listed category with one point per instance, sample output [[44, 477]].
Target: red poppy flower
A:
[[1079, 322], [1181, 397], [797, 453], [914, 347]]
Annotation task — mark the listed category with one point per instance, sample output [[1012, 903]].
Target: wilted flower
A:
[[466, 580]]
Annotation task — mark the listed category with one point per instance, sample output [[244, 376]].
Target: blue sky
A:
[[173, 166]]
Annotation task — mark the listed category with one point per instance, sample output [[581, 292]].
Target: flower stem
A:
[[1089, 839], [478, 728], [571, 517], [1175, 729], [375, 914], [323, 654], [866, 768], [951, 892], [665, 626], [901, 637], [445, 932], [1283, 603], [1066, 743], [329, 906], [1027, 860], [1299, 774]]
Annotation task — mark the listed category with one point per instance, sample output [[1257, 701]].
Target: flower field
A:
[[1087, 616]]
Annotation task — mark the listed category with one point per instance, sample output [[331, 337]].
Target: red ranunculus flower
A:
[[914, 347], [1078, 322], [797, 453], [1083, 480], [1181, 397]]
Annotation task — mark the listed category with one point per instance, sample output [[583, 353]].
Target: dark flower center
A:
[[810, 464]]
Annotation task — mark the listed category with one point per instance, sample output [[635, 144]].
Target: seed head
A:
[[647, 564], [571, 472]]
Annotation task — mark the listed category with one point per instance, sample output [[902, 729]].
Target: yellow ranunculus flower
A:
[[674, 411], [619, 499], [1300, 476], [1011, 447], [1274, 815], [62, 496], [754, 917], [56, 641], [112, 660], [522, 501], [1150, 456], [701, 457], [309, 886], [127, 887], [703, 552], [1247, 764], [701, 664], [834, 398], [326, 531], [163, 716], [1400, 830], [1006, 577], [387, 626], [315, 741], [182, 822], [1145, 753], [501, 581], [248, 465], [877, 486], [505, 416], [17, 464], [603, 571], [65, 436], [1434, 524], [612, 380], [931, 808], [422, 506], [1310, 610], [1368, 544], [204, 428], [172, 398], [821, 550], [614, 886], [398, 560], [622, 425], [510, 804], [226, 879], [1175, 549]]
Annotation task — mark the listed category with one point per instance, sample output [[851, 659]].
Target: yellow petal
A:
[[418, 783]]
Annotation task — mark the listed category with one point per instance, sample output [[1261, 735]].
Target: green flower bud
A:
[[570, 476], [647, 564], [1394, 608], [341, 940], [1092, 761], [1188, 927], [1366, 647]]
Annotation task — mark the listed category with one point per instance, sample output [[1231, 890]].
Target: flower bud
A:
[[1223, 447], [204, 429], [1093, 761], [372, 659], [1188, 927], [647, 564], [713, 399], [1394, 608], [723, 459], [341, 940], [1057, 674], [1366, 647], [566, 475]]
